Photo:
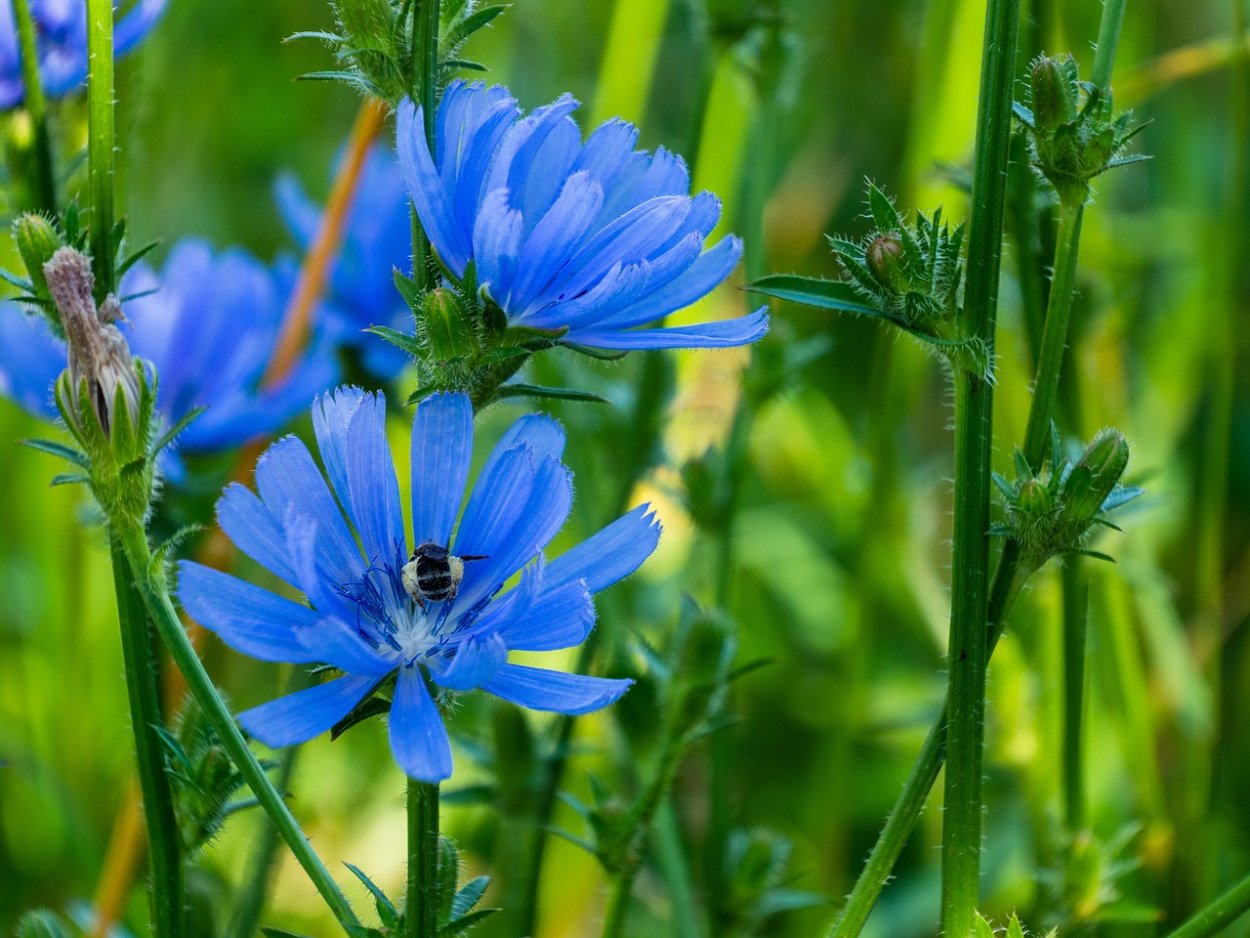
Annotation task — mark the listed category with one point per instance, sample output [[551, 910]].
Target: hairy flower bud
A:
[[1095, 474], [98, 353], [1053, 98], [885, 257], [37, 240], [449, 329]]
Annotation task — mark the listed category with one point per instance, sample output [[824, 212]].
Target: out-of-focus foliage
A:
[[832, 561]]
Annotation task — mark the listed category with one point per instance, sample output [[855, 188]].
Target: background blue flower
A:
[[359, 617], [61, 39], [377, 239], [209, 326], [593, 236]]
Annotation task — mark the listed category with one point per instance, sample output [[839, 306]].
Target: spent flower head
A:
[[392, 615], [586, 242], [207, 323], [61, 41]]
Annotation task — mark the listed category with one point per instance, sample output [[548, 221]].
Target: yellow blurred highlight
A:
[[629, 60]]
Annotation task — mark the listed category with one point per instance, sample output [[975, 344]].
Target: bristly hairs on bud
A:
[[1073, 132], [372, 44], [1055, 511], [909, 274]]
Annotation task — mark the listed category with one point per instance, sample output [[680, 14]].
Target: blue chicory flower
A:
[[61, 41], [208, 326], [596, 237], [377, 239], [361, 618]]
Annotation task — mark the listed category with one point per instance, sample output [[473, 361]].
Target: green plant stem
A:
[[1075, 627], [143, 688], [974, 398], [161, 609], [421, 910], [257, 879], [1054, 334], [911, 801], [1108, 41], [639, 824], [1219, 914], [37, 107], [425, 35], [100, 142]]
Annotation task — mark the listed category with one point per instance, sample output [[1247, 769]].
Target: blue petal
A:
[[298, 211], [554, 240], [541, 433], [371, 478], [30, 360], [442, 446], [418, 737], [496, 242], [299, 717], [132, 27], [254, 530], [713, 266], [536, 523], [425, 188], [558, 618], [249, 619], [499, 496], [607, 151], [287, 478], [609, 555], [540, 689], [476, 659], [725, 333], [331, 415]]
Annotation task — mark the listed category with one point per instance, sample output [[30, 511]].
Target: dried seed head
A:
[[98, 352]]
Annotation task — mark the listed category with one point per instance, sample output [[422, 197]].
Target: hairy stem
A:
[[160, 607], [100, 143], [968, 653], [421, 910], [1054, 334], [424, 92], [1219, 914], [164, 848], [256, 880], [37, 107]]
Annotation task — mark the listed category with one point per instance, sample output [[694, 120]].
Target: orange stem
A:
[[126, 844]]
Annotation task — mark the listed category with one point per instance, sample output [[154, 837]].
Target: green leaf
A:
[[371, 706], [466, 27], [60, 450], [409, 343], [814, 291], [386, 909], [169, 435], [331, 38], [469, 895], [40, 923], [540, 391], [136, 257], [465, 64], [1013, 927], [463, 924], [70, 478], [981, 928], [408, 289]]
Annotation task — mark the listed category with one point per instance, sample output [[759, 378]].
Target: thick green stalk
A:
[[1108, 41], [974, 398], [421, 910], [37, 107], [1219, 914], [259, 875], [1054, 334], [911, 801], [1075, 627], [143, 688], [100, 142], [161, 609]]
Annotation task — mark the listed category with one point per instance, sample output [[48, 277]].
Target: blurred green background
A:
[[838, 564]]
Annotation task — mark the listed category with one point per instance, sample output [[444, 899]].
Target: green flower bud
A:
[[1054, 94], [885, 257], [706, 645], [37, 240], [1033, 499], [449, 329], [369, 24], [1095, 474]]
